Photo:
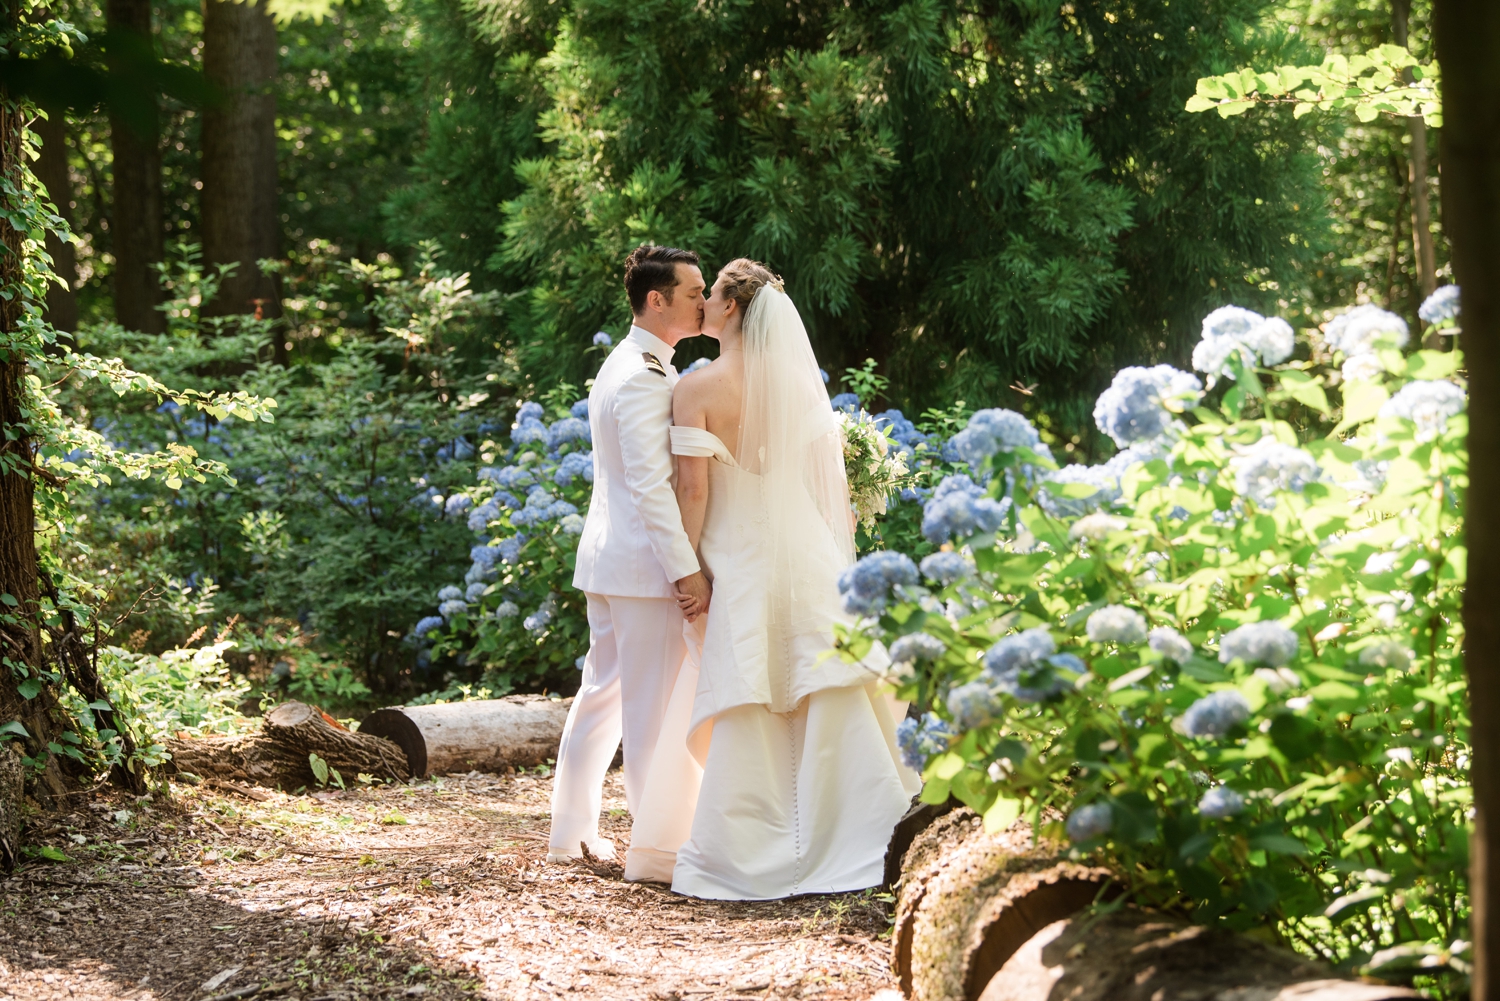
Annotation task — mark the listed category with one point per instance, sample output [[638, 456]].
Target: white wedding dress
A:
[[776, 772]]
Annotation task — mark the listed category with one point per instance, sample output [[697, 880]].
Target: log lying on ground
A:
[[279, 754], [967, 900], [487, 735], [1135, 956], [916, 820]]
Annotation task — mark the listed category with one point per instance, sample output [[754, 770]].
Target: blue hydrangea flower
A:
[[560, 509], [824, 374], [973, 705], [1216, 714], [1440, 306], [580, 409], [1363, 329], [513, 477], [1426, 403], [479, 572], [1220, 802], [1170, 644], [1231, 330], [901, 430], [539, 620], [909, 494], [1386, 653], [574, 464], [847, 402], [1269, 466], [1089, 822], [1116, 624], [481, 516], [510, 549], [450, 593], [458, 606], [579, 661], [603, 340], [1024, 666], [959, 508], [1105, 483], [475, 591], [507, 610], [1142, 403], [530, 432], [1269, 643], [529, 412], [1019, 651], [946, 568], [915, 647], [572, 524], [484, 555], [699, 363], [426, 625], [991, 431], [920, 739], [866, 586], [566, 430], [457, 504]]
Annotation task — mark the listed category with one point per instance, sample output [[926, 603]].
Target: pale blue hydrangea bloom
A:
[[920, 739], [1024, 666], [529, 411], [1020, 651], [946, 568], [1135, 407], [1362, 367], [1268, 643], [475, 591], [478, 572], [866, 586], [450, 593], [1089, 822], [580, 409], [579, 661], [529, 432], [1170, 644], [1105, 483], [510, 477], [901, 430], [507, 610], [1427, 403], [574, 464], [824, 373], [1270, 466], [701, 363], [973, 705], [1363, 329], [1441, 305], [457, 504], [959, 508], [1116, 624], [448, 609], [847, 402], [481, 516], [1231, 330], [566, 430], [913, 647], [539, 620], [510, 549], [1215, 715], [991, 431], [1220, 802], [603, 340], [1386, 653], [484, 555], [572, 524], [426, 625]]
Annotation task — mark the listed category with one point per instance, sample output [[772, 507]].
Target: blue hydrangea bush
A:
[[1227, 661], [515, 616]]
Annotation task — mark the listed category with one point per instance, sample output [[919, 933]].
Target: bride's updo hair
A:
[[743, 278]]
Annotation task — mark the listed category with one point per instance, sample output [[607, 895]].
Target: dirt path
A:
[[439, 889]]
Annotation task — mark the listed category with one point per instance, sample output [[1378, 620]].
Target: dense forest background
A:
[[402, 217]]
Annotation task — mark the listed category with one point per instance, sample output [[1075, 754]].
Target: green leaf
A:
[[1001, 814], [319, 769], [1362, 401], [10, 600], [1278, 844], [30, 688], [945, 765], [13, 728]]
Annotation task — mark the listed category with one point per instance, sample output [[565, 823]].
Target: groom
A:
[[633, 555]]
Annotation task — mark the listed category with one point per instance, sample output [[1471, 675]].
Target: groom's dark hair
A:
[[650, 268]]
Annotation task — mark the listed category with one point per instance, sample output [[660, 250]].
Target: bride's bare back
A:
[[710, 398]]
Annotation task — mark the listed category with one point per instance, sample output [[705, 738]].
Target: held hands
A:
[[693, 594]]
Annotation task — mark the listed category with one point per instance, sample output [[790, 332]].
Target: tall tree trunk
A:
[[135, 224], [1416, 178], [52, 170], [1468, 36], [240, 223]]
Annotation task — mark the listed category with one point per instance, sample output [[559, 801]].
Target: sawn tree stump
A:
[[487, 735], [968, 900], [1134, 956], [278, 755]]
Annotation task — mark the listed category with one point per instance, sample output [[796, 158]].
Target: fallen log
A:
[[917, 819], [1133, 955], [487, 735], [967, 900], [279, 755]]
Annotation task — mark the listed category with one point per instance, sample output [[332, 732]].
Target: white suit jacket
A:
[[633, 543]]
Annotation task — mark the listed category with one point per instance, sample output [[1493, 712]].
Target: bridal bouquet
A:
[[874, 470]]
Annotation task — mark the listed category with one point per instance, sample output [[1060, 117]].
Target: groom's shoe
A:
[[601, 850]]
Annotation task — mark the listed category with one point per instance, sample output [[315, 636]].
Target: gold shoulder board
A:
[[653, 364]]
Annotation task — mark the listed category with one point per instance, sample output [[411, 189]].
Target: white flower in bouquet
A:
[[875, 471]]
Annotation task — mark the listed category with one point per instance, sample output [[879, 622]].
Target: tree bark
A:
[[52, 170], [487, 735], [239, 210], [11, 789], [1468, 36], [135, 225], [1417, 174]]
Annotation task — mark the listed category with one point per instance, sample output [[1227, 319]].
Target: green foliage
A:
[[1334, 803], [1370, 84]]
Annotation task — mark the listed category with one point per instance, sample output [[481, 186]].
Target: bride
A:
[[800, 782]]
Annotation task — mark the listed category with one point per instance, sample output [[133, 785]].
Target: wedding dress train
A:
[[780, 775]]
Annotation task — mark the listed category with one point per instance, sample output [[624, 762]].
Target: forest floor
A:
[[438, 889]]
